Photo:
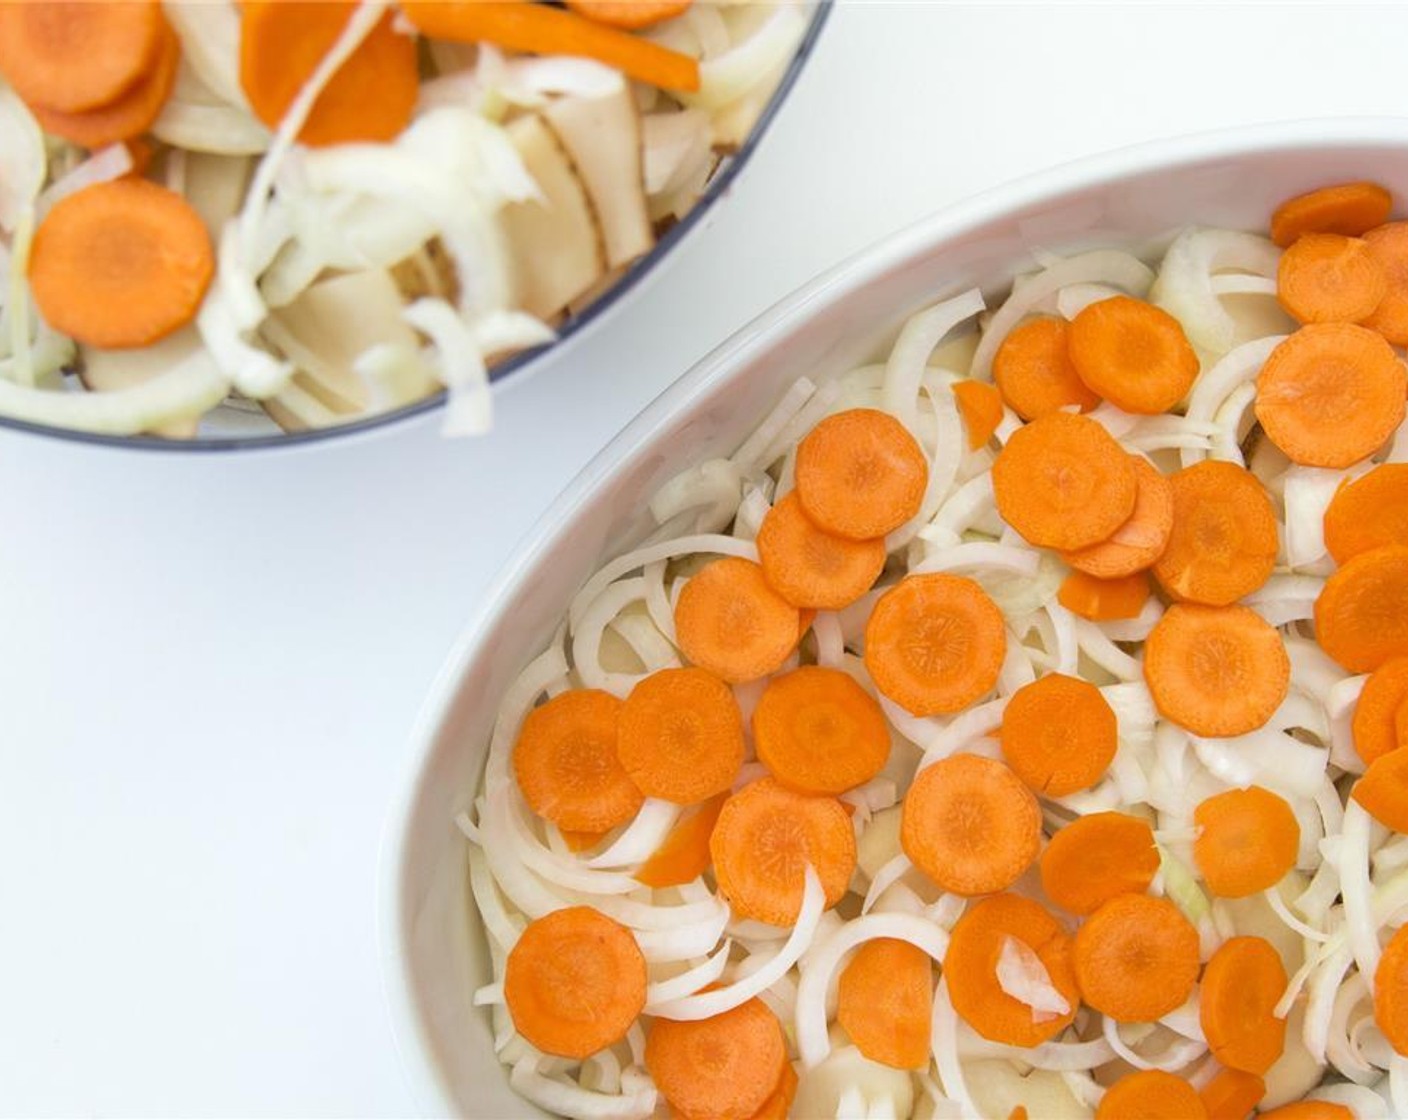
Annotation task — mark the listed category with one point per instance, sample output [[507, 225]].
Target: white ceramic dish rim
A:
[[758, 336]]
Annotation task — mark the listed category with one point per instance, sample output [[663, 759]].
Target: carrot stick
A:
[[1242, 983], [980, 405], [970, 824], [566, 764], [1095, 858], [1063, 482], [1329, 278], [1369, 512], [684, 855], [680, 736], [1059, 735], [1223, 541], [1216, 671], [1391, 991], [1383, 790], [820, 732], [1351, 209], [1033, 371], [1133, 354], [1103, 599], [1375, 722], [1232, 1095], [544, 30], [1136, 958], [120, 264], [935, 643], [1151, 1094], [765, 837], [725, 1066], [810, 567], [885, 1002], [630, 15], [1247, 841], [1141, 540], [860, 474], [731, 622], [1331, 394], [370, 98], [574, 982], [1361, 616], [1389, 246]]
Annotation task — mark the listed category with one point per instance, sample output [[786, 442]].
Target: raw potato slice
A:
[[105, 371], [555, 246], [215, 186]]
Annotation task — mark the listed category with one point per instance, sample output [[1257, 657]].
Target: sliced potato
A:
[[215, 186], [105, 371]]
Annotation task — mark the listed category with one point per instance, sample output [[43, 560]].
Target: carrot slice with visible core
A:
[[970, 824], [1151, 1094], [1247, 841], [120, 264], [1361, 616], [778, 1106], [764, 839], [860, 474], [1101, 600], [1136, 958], [1216, 671], [1376, 714], [680, 735], [1141, 540], [1232, 1094], [1096, 858], [1391, 991], [819, 731], [730, 621], [684, 855], [1383, 790], [1369, 512], [980, 405], [630, 14], [1063, 482], [574, 982], [810, 567], [1133, 354], [885, 1001], [724, 1067], [1034, 374], [1346, 208], [1329, 278], [970, 969], [1059, 734], [1389, 246], [566, 763], [1331, 394], [1241, 985]]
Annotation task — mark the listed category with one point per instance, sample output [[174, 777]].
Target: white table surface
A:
[[209, 665]]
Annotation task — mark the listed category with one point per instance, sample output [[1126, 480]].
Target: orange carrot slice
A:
[[680, 736], [1350, 209], [1389, 246], [970, 824], [1369, 512], [1247, 841], [1391, 991], [120, 264], [631, 15], [1033, 371], [566, 764], [1101, 600], [1133, 354], [1151, 1094], [1096, 858], [1361, 616], [1232, 1094], [885, 1002], [1216, 671], [1141, 540], [980, 405], [1063, 482], [1331, 394], [1383, 790], [1059, 734], [1308, 1110], [684, 855], [725, 1066], [1241, 986], [1375, 720], [818, 731], [574, 982], [730, 621], [1329, 278], [1136, 958], [764, 839], [810, 567], [860, 474], [778, 1106]]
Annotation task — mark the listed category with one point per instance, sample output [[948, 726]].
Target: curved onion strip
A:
[[1232, 422], [505, 818], [1363, 1102], [891, 872], [922, 731], [642, 836], [587, 632], [1175, 1057], [1265, 757], [687, 983], [488, 995], [1242, 284], [1354, 887], [949, 442], [566, 1099], [749, 456], [1236, 368], [1134, 629], [601, 1073], [963, 728], [1184, 288], [1094, 643], [111, 162], [920, 335], [503, 929], [980, 554], [1339, 1049], [959, 511], [1307, 493], [1282, 911], [652, 649], [1054, 1056], [943, 1035], [1075, 298], [713, 487], [1339, 706], [700, 543], [1323, 986], [537, 676], [730, 76], [830, 641], [1022, 975]]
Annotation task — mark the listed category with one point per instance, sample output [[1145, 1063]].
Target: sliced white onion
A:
[[1236, 368], [1307, 493], [830, 640], [688, 982], [980, 554], [890, 873], [1093, 642], [1184, 287], [642, 836], [921, 333], [1340, 704], [733, 75], [964, 728], [1324, 984], [1175, 1057], [943, 1039], [1354, 887], [959, 511], [713, 487], [111, 162], [1022, 975], [1075, 298], [749, 456], [1282, 911], [23, 162], [949, 442], [1265, 757], [504, 930], [566, 1099]]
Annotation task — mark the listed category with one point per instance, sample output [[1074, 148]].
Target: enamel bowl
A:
[[433, 952]]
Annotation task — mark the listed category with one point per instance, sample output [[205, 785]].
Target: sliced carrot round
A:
[[1133, 354], [1308, 1110], [1331, 394], [1391, 991], [120, 264], [725, 1066], [684, 854], [370, 98], [1223, 542], [860, 474], [680, 735], [970, 824], [778, 1106], [1033, 370], [1101, 600], [1361, 616], [970, 969], [566, 764], [1383, 790], [574, 982], [1247, 840], [818, 731], [766, 836], [1369, 512], [935, 643], [1216, 671], [1389, 246], [731, 622], [1063, 482], [1241, 986], [630, 14], [1096, 858], [1141, 540], [885, 1002], [1151, 1094], [1330, 278], [1059, 734], [810, 567], [1350, 209], [1232, 1094], [980, 405], [1136, 958], [1375, 723]]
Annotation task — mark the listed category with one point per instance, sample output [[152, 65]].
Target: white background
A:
[[209, 665]]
